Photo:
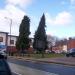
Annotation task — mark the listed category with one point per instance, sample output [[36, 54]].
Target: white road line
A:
[[17, 73]]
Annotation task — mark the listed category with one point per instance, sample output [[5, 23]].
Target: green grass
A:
[[46, 55], [52, 55]]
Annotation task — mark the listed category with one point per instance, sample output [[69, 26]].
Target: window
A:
[[11, 41], [1, 39]]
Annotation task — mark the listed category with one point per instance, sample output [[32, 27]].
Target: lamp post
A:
[[10, 30]]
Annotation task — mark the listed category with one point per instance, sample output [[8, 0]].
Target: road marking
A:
[[17, 73]]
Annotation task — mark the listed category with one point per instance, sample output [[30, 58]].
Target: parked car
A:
[[3, 54], [49, 51], [4, 68], [71, 52]]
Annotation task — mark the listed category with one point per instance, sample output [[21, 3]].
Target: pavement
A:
[[58, 60]]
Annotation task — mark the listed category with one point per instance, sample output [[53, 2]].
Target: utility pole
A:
[[10, 31]]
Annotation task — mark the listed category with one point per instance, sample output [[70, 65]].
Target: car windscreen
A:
[[72, 50]]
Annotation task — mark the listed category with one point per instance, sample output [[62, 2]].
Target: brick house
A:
[[71, 43], [60, 46], [64, 45]]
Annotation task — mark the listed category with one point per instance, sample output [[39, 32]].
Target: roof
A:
[[4, 32], [61, 42], [13, 35]]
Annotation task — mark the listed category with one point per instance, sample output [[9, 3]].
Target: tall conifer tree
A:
[[24, 32], [40, 39]]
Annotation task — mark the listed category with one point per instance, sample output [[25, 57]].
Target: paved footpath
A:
[[62, 60], [58, 60]]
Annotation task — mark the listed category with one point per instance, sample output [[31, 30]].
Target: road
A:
[[22, 67]]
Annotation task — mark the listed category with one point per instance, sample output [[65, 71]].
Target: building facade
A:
[[11, 43], [64, 45], [71, 43], [3, 40], [8, 43], [60, 46]]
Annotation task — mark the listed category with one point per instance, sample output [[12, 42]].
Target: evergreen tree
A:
[[24, 31], [40, 39]]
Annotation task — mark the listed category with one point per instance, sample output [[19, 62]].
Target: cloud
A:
[[69, 3], [13, 12], [51, 32], [72, 4], [72, 1], [21, 3], [8, 13], [63, 2], [62, 18]]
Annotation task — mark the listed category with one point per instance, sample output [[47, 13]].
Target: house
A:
[[60, 46], [11, 43], [71, 43], [8, 42], [64, 45], [3, 40]]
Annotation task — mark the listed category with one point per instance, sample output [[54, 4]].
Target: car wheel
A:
[[67, 55]]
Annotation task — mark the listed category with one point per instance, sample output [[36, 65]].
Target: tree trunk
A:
[[42, 54]]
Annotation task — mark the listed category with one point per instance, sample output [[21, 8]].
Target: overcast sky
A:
[[60, 15]]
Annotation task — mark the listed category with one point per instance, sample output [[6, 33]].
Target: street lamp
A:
[[10, 29]]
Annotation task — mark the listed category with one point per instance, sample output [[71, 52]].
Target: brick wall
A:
[[71, 43], [11, 49]]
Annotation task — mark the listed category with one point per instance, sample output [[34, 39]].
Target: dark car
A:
[[71, 52], [4, 54], [4, 68]]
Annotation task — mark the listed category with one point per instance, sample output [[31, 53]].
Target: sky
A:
[[59, 15]]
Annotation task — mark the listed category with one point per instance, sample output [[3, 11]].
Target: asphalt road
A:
[[14, 74], [38, 68]]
